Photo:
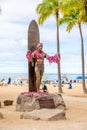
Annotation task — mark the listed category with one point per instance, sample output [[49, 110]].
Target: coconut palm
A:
[[45, 9], [72, 18]]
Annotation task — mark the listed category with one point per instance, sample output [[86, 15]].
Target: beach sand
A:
[[76, 113]]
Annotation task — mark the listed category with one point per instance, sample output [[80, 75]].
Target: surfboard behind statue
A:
[[33, 39]]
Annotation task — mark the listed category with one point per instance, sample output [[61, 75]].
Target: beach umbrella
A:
[[22, 79], [80, 77]]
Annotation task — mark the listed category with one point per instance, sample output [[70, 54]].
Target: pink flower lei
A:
[[51, 59]]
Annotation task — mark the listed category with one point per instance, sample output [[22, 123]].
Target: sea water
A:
[[15, 76]]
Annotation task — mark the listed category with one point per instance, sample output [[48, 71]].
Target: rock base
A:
[[41, 106], [29, 101], [44, 114]]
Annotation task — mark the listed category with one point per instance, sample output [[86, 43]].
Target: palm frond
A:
[[70, 26], [42, 18], [68, 5], [41, 8], [71, 19], [47, 8]]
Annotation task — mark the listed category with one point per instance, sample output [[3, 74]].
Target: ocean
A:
[[14, 76]]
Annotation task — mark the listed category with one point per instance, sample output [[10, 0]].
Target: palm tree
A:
[[72, 18], [45, 9]]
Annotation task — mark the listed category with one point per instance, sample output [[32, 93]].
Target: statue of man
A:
[[39, 56]]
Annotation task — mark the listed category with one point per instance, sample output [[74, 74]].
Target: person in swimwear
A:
[[39, 56]]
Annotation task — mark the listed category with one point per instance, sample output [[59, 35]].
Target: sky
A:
[[15, 18]]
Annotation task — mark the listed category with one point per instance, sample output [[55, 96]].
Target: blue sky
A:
[[14, 22]]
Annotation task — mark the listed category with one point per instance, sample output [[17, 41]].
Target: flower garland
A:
[[51, 59], [55, 58]]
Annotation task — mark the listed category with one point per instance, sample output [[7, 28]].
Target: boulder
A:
[[29, 101], [44, 114], [8, 102]]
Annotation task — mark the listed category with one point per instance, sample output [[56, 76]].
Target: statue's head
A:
[[39, 45]]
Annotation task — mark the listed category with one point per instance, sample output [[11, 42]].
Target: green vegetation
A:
[[74, 12]]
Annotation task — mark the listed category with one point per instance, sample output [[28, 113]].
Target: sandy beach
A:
[[76, 113]]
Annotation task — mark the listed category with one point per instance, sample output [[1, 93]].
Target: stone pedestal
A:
[[29, 101]]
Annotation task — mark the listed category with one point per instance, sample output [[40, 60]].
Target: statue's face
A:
[[39, 46]]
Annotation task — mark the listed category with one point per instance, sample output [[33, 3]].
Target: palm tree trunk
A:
[[85, 5], [58, 51], [82, 57]]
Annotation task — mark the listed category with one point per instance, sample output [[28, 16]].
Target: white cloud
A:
[[14, 22]]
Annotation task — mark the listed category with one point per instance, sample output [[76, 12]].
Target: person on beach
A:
[[44, 88], [2, 82], [70, 84], [39, 55], [9, 81]]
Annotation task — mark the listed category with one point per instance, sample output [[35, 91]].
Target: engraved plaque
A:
[[46, 103]]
